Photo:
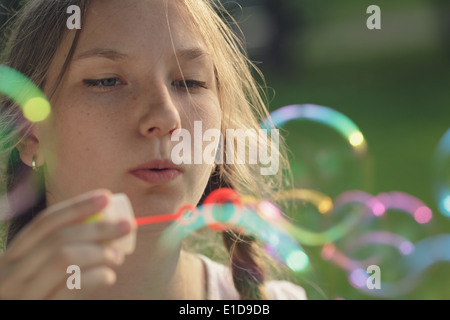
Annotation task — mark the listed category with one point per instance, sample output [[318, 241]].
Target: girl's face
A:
[[121, 99]]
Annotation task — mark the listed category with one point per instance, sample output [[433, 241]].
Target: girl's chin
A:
[[151, 203], [155, 208]]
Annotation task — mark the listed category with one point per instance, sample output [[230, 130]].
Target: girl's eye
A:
[[190, 84], [107, 83]]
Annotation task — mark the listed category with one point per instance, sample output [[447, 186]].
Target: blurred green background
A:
[[393, 83]]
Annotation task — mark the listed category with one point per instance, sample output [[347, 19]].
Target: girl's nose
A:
[[162, 116]]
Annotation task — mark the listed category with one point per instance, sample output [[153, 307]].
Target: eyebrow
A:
[[192, 53], [102, 53], [185, 54]]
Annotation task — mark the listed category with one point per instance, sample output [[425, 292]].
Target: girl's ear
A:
[[30, 148]]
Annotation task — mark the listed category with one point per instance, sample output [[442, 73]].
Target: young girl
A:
[[119, 87]]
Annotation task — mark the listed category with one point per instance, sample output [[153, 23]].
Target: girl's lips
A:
[[157, 176]]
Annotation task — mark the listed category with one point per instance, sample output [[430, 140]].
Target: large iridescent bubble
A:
[[328, 152]]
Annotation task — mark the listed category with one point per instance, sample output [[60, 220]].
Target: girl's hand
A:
[[35, 264]]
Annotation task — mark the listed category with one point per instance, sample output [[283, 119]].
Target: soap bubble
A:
[[441, 174], [328, 152], [25, 93]]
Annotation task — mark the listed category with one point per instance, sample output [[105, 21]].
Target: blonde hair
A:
[[39, 32]]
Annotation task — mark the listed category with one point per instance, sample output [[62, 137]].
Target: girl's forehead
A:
[[139, 23], [154, 13]]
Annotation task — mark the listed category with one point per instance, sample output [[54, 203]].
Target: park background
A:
[[393, 83]]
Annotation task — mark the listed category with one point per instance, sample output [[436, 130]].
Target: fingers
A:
[[38, 274], [56, 217], [100, 232], [35, 264], [95, 263], [91, 280]]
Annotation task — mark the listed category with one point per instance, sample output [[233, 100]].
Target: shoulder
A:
[[285, 290], [220, 284]]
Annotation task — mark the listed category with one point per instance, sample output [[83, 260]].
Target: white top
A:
[[220, 285]]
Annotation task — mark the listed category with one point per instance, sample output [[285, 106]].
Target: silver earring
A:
[[33, 164]]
